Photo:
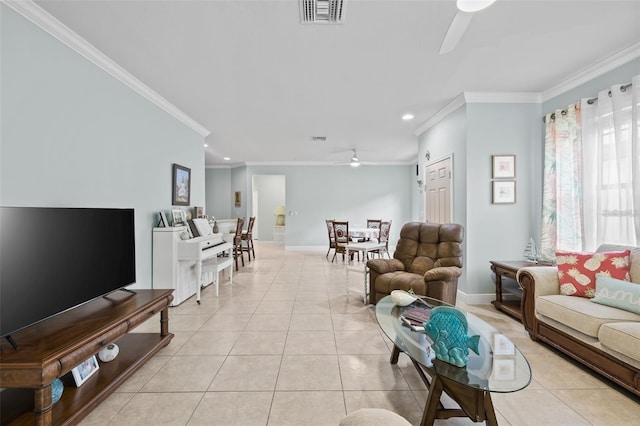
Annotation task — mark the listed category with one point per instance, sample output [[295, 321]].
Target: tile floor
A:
[[284, 346]]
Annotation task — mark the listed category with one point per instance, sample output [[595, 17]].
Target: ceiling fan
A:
[[354, 161], [466, 9]]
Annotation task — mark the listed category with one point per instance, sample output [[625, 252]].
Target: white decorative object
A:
[[402, 298], [109, 353], [531, 251]]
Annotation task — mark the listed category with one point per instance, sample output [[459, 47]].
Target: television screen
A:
[[52, 259]]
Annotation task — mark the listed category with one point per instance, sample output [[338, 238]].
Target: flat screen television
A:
[[53, 259]]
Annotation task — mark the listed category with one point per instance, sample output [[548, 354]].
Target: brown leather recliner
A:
[[427, 259]]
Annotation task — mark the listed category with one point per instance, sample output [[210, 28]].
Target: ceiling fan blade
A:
[[456, 31]]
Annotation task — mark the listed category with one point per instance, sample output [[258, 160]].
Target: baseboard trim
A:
[[476, 299]]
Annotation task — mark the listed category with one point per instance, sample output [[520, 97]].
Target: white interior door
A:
[[438, 194]]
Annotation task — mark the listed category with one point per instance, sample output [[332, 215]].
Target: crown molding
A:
[[605, 65], [456, 103], [41, 18], [501, 98], [328, 163]]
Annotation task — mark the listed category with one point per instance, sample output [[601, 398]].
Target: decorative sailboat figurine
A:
[[531, 251]]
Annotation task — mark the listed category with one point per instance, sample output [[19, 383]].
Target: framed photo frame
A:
[[503, 166], [181, 186], [85, 370], [163, 220], [237, 198], [503, 191], [178, 217]]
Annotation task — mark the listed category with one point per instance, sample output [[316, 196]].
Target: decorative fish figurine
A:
[[447, 327]]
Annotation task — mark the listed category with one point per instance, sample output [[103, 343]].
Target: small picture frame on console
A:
[[85, 370], [163, 220], [178, 217]]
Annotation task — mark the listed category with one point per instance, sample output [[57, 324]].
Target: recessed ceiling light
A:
[[473, 5], [206, 145], [407, 117], [226, 158]]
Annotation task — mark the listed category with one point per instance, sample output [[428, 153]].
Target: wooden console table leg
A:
[[164, 322], [42, 410], [498, 288]]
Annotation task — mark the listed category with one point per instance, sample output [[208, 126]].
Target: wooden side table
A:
[[508, 291]]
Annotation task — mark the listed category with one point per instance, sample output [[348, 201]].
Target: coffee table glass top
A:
[[500, 366]]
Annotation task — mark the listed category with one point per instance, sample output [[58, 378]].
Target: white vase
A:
[[109, 353]]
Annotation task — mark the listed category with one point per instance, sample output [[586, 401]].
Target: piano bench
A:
[[216, 265]]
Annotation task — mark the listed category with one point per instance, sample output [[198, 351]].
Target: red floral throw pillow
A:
[[577, 271]]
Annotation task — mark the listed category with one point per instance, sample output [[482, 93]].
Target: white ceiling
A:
[[263, 84]]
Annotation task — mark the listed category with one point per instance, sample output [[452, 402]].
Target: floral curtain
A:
[[562, 220], [591, 192]]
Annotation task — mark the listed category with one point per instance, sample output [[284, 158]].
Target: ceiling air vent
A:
[[322, 11], [319, 138]]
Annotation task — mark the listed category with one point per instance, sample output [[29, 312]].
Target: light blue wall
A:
[[218, 183], [73, 136], [449, 137], [473, 133], [316, 193], [498, 231], [239, 182]]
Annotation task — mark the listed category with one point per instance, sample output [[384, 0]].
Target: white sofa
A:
[[604, 338]]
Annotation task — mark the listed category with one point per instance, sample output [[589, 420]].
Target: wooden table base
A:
[[474, 403]]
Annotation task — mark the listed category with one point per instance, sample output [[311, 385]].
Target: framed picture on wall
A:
[[503, 192], [504, 166], [237, 197], [181, 186]]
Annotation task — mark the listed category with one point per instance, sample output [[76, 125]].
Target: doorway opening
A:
[[267, 194]]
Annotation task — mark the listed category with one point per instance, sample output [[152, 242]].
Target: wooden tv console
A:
[[52, 348]]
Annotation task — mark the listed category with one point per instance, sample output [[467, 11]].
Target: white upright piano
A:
[[178, 263]]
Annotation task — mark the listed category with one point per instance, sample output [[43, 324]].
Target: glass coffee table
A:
[[500, 367]]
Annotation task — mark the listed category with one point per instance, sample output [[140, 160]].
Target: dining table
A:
[[367, 234]]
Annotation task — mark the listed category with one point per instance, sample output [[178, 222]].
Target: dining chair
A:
[[247, 237], [383, 237], [332, 240], [374, 224], [237, 243], [341, 236]]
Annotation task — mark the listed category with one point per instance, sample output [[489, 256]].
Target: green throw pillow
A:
[[617, 293]]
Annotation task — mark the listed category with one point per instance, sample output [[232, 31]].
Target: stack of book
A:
[[415, 318]]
